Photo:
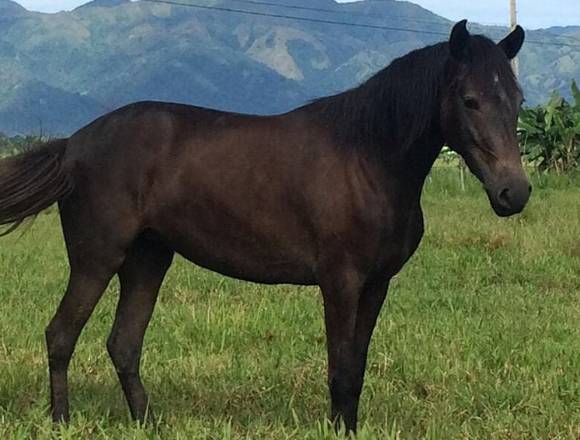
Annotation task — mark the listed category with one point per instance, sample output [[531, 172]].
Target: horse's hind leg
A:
[[141, 276], [85, 288], [97, 235]]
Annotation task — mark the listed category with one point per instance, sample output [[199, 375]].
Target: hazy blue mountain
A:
[[59, 71], [9, 8]]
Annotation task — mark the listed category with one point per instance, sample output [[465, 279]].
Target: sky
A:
[[532, 13]]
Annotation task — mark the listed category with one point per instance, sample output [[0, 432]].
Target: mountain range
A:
[[60, 71]]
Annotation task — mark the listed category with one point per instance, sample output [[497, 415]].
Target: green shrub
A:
[[550, 134]]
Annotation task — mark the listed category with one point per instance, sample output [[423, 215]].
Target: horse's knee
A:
[[58, 346], [115, 351], [121, 354]]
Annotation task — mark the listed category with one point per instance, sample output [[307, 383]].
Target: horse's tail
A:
[[32, 181]]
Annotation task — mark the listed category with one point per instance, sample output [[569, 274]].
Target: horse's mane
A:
[[397, 106]]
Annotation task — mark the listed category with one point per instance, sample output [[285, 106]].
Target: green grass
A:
[[479, 338]]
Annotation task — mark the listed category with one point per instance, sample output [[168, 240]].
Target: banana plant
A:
[[550, 134]]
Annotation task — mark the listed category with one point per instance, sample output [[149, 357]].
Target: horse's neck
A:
[[412, 168]]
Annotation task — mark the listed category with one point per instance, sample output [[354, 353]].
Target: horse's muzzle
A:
[[510, 198]]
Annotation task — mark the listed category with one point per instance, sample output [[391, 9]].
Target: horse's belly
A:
[[260, 259], [267, 269]]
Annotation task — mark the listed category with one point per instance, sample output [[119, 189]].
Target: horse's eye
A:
[[471, 103]]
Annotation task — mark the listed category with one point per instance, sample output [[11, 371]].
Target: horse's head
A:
[[479, 113]]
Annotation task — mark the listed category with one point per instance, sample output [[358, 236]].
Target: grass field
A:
[[479, 339]]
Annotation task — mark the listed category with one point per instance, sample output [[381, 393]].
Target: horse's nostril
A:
[[504, 197]]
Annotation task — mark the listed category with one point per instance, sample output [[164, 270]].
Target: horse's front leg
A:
[[351, 307]]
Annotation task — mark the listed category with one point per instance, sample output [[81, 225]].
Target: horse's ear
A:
[[459, 42], [512, 44]]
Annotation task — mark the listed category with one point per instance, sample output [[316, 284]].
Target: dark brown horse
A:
[[327, 194]]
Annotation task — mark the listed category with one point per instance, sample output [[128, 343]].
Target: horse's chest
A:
[[401, 242]]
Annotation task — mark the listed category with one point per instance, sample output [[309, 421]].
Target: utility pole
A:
[[513, 24]]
